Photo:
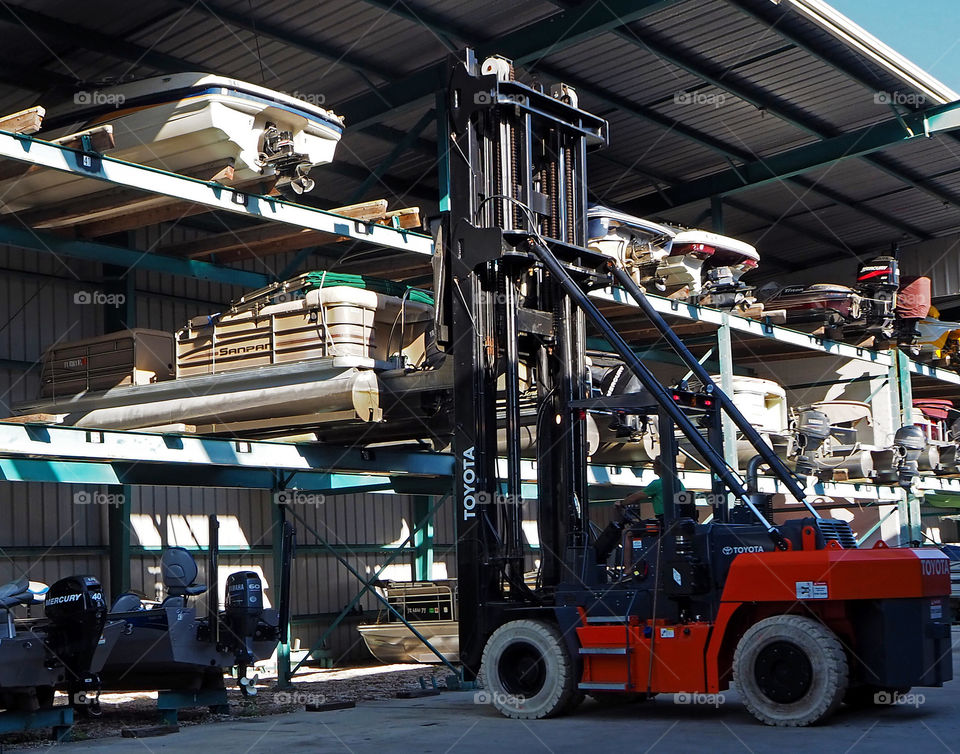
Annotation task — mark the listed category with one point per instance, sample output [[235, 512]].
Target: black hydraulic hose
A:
[[753, 469], [726, 402], [646, 377]]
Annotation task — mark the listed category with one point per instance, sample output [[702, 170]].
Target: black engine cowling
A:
[[244, 607], [76, 611]]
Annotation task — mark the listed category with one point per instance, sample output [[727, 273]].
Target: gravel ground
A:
[[134, 710]]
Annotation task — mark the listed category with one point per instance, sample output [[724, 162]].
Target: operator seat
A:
[[179, 571]]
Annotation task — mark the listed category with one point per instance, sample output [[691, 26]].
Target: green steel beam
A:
[[546, 36], [423, 537], [48, 243], [731, 153], [723, 78], [809, 157], [276, 547], [35, 151]]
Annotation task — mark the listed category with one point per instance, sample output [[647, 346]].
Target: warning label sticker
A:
[[666, 633], [812, 590]]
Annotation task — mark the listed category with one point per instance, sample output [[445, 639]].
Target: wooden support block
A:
[[23, 122], [366, 211], [101, 139], [36, 419], [408, 217]]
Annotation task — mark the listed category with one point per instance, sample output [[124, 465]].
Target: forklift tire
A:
[[527, 672], [791, 670]]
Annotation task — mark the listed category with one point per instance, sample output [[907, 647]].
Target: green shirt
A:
[[654, 491]]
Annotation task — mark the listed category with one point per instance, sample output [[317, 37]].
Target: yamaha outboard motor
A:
[[877, 283], [242, 614], [812, 429], [77, 613], [908, 443]]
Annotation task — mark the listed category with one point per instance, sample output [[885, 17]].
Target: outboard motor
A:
[[812, 429], [277, 150], [243, 610], [722, 289], [877, 283], [77, 613], [908, 443]]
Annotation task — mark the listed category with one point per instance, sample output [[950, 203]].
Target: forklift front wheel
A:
[[791, 670], [527, 672]]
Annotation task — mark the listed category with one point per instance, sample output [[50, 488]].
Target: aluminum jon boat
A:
[[185, 122]]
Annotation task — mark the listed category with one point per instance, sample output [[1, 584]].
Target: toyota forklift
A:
[[795, 615]]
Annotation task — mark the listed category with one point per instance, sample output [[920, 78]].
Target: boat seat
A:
[[15, 593], [179, 571], [127, 602]]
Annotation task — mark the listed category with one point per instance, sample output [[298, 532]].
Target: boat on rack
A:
[[189, 123], [686, 263]]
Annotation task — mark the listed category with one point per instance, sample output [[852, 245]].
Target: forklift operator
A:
[[628, 510]]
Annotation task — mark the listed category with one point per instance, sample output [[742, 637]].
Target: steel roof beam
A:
[[245, 21], [90, 39], [711, 143], [763, 100], [794, 162], [553, 34]]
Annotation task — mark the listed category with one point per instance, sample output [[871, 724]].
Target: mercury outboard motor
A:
[[908, 443], [877, 283], [77, 614], [812, 429]]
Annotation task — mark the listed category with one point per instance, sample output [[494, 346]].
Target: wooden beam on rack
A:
[[23, 122]]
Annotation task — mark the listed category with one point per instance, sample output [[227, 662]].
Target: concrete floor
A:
[[454, 722]]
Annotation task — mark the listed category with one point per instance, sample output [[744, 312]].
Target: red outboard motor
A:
[[913, 304], [877, 283], [77, 613]]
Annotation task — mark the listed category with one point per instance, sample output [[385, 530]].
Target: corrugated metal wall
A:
[[39, 306]]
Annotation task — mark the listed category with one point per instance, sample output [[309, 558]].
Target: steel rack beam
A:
[[214, 195], [145, 458], [751, 327], [44, 242]]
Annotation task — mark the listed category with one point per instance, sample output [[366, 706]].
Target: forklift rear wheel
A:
[[527, 672], [791, 670]]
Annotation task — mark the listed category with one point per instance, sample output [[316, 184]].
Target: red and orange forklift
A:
[[794, 615]]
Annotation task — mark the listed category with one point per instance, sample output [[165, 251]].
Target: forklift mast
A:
[[512, 277]]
